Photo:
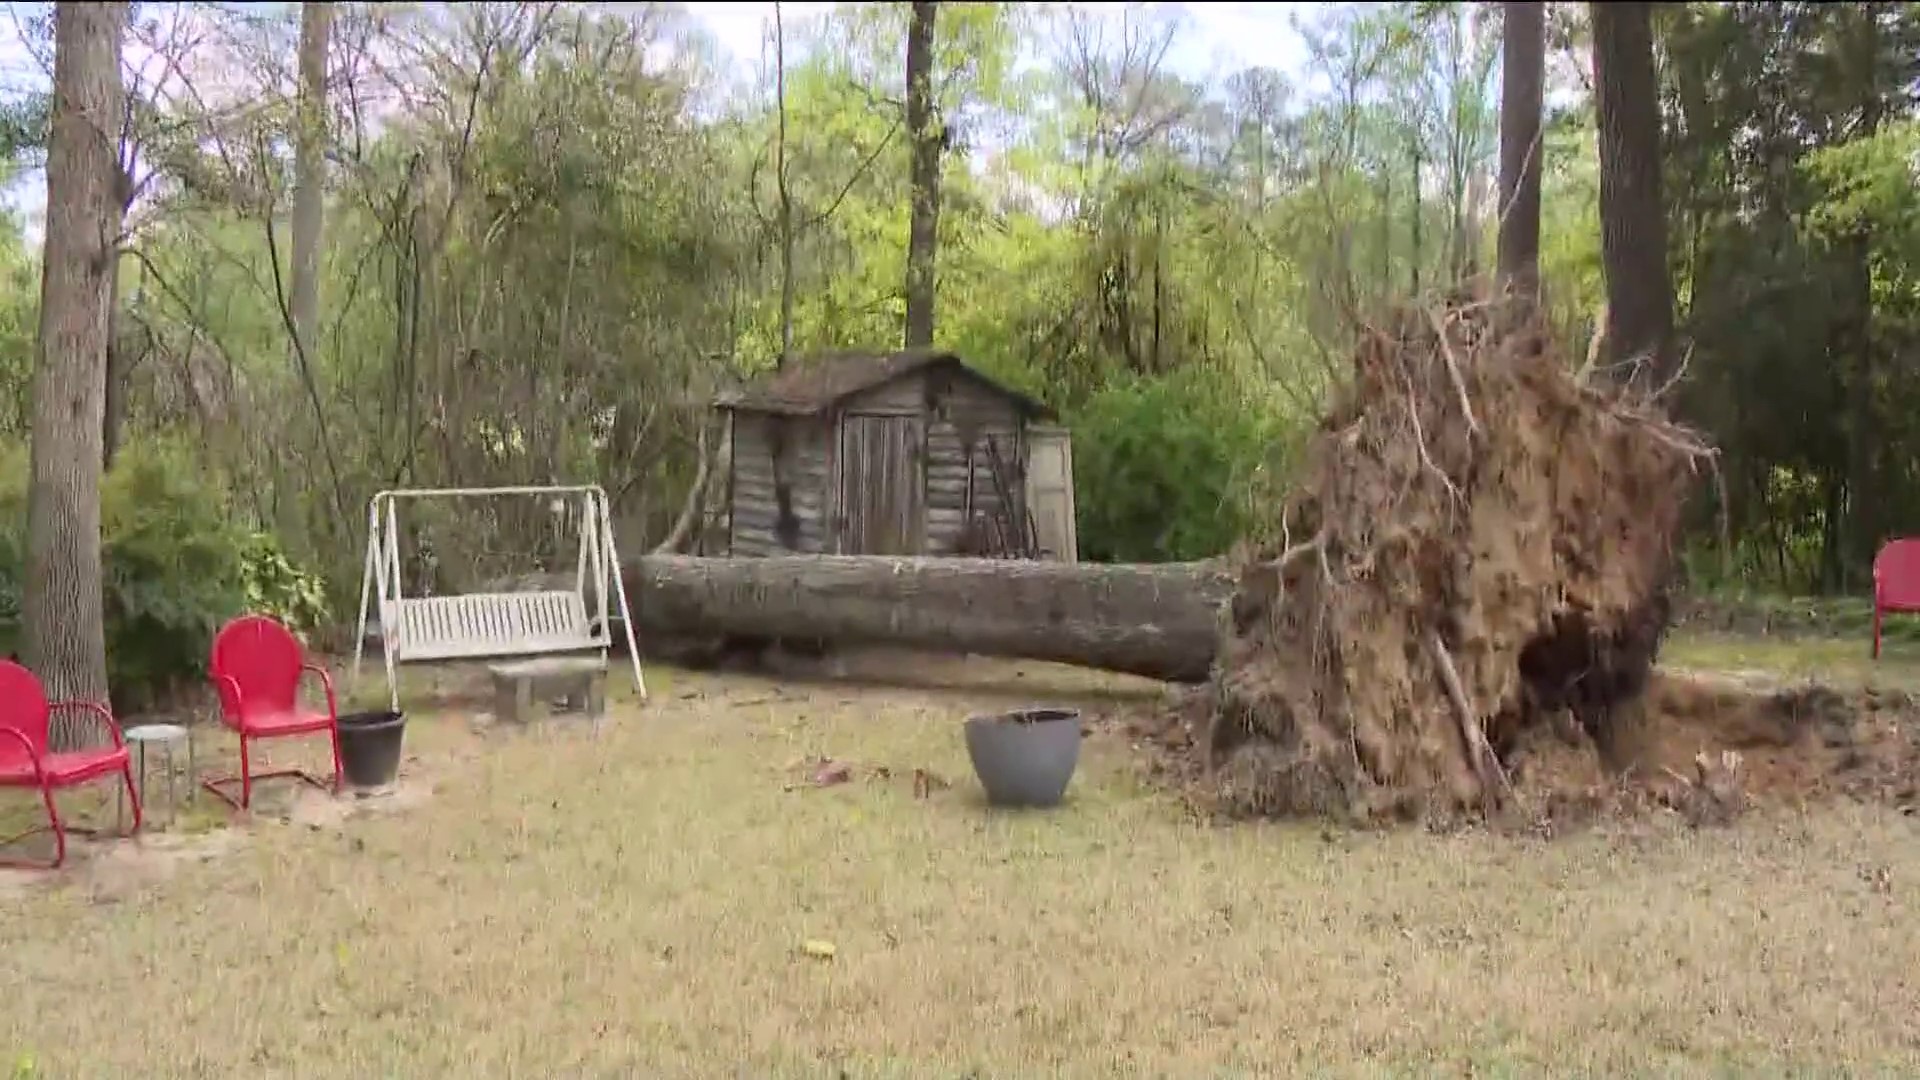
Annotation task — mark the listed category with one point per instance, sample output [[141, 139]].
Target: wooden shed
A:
[[904, 453]]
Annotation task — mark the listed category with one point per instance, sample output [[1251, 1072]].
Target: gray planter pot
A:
[[1025, 757]]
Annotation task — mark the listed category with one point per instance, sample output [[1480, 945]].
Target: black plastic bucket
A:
[[370, 747]]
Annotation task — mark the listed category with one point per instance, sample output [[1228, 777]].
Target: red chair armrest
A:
[[26, 744], [100, 712], [229, 690], [326, 683]]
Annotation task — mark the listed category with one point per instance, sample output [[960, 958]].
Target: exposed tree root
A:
[[1490, 544]]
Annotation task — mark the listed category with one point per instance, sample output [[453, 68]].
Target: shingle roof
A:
[[810, 384]]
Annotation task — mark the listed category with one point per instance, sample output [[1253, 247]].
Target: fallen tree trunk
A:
[[1158, 621]]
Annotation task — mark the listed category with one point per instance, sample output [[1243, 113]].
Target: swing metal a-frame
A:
[[484, 626]]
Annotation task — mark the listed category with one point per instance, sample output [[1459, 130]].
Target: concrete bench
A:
[[580, 682]]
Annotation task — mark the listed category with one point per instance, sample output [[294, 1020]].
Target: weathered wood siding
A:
[[956, 412], [781, 471], [965, 413], [882, 505], [961, 412]]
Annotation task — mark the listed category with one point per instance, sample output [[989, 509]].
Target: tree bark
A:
[[119, 363], [62, 606], [927, 135], [1633, 224], [113, 405], [1523, 80], [1158, 621], [1864, 495], [310, 174], [780, 185]]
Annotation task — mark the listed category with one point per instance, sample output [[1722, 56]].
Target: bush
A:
[[1165, 469], [175, 568]]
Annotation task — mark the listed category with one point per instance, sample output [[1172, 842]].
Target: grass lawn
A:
[[1837, 660], [638, 905]]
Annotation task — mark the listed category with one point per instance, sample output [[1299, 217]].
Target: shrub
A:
[[273, 585], [1165, 468], [175, 568]]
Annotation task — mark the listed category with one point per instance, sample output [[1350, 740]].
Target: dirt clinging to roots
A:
[[1478, 548]]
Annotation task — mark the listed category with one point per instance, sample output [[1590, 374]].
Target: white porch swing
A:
[[476, 626]]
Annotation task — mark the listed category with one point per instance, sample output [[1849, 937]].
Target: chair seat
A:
[[292, 722], [63, 769]]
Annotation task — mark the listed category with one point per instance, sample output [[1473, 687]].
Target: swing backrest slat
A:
[[490, 624]]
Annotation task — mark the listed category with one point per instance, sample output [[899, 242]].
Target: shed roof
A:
[[810, 384]]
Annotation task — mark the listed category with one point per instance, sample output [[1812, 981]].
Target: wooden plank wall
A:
[[972, 413], [761, 524], [882, 500], [961, 412]]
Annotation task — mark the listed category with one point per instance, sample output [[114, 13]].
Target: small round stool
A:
[[166, 738]]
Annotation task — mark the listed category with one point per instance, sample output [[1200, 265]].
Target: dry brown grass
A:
[[635, 905]]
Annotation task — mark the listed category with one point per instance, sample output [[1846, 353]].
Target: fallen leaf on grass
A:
[[925, 783], [830, 772], [819, 950]]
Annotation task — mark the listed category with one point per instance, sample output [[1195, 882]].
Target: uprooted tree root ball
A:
[[1478, 547]]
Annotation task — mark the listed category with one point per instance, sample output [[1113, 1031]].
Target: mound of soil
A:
[[1709, 747], [1706, 746], [1477, 548]]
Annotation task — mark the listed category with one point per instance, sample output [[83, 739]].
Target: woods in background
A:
[[364, 246]]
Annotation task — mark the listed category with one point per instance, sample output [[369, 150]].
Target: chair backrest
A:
[[23, 707], [263, 658], [1896, 573]]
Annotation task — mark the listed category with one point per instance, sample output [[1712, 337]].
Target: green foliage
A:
[[1163, 468], [19, 316], [1790, 181], [1868, 185], [541, 270], [175, 567], [272, 585], [24, 124], [172, 563]]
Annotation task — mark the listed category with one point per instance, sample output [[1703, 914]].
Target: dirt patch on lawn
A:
[[1730, 743], [110, 868], [1705, 746]]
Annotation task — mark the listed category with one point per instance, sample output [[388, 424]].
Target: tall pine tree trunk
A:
[[1864, 494], [1633, 224], [310, 173], [1523, 78], [62, 605], [928, 136], [780, 185], [1161, 621], [113, 402], [120, 360]]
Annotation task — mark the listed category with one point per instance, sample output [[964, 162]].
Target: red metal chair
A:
[[1896, 582], [256, 667], [26, 761]]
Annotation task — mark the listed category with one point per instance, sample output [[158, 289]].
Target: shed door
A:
[[1050, 492], [882, 485]]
